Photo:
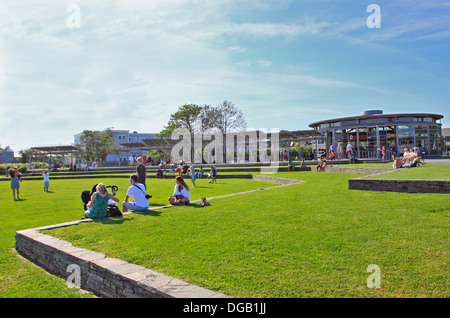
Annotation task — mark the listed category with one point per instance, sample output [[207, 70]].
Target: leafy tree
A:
[[24, 154], [167, 130], [228, 118], [98, 144]]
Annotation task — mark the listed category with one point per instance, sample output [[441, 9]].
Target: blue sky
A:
[[285, 64]]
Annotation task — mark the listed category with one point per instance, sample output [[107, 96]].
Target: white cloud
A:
[[132, 63], [237, 48], [275, 29], [264, 63]]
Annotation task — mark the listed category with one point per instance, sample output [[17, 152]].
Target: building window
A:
[[348, 123], [367, 121]]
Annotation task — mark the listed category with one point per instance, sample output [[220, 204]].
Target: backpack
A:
[[85, 197], [113, 211]]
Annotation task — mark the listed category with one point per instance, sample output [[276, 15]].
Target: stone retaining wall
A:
[[410, 186], [359, 170], [275, 179], [104, 276]]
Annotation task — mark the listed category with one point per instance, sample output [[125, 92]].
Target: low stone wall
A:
[[104, 276], [359, 170], [275, 179], [409, 186]]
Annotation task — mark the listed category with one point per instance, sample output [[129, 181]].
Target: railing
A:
[[374, 154]]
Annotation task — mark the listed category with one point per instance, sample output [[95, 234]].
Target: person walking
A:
[[15, 181]]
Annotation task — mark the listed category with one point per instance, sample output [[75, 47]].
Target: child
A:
[[303, 164], [213, 174], [46, 176], [200, 173], [192, 172]]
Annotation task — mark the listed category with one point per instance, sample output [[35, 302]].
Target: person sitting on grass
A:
[[321, 165], [415, 162], [352, 158], [138, 192], [419, 156], [303, 164], [398, 163], [181, 195], [291, 165], [98, 205]]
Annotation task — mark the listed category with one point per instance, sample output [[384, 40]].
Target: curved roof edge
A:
[[438, 116]]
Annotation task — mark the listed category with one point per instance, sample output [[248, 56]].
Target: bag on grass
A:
[[113, 211]]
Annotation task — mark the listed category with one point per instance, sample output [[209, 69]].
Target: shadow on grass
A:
[[113, 220], [152, 212]]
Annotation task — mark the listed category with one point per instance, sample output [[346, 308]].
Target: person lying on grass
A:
[[98, 205], [181, 194]]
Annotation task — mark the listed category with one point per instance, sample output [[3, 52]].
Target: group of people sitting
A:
[[291, 165], [97, 207], [411, 158], [188, 169], [82, 166]]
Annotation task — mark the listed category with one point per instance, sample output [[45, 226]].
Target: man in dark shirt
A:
[[141, 172]]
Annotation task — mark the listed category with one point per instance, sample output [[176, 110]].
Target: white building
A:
[[124, 137]]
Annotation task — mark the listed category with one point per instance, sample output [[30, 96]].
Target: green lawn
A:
[[20, 278], [314, 239], [428, 171]]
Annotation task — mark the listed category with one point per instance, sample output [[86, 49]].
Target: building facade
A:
[[373, 129], [124, 137], [446, 137], [7, 157]]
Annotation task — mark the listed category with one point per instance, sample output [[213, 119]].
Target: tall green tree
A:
[[228, 117], [98, 144]]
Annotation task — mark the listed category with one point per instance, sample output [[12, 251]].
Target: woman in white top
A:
[[181, 194]]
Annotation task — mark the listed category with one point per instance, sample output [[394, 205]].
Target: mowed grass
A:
[[427, 171], [314, 239], [19, 277]]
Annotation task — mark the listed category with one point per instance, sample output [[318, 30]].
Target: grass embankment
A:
[[427, 171], [314, 239], [20, 278]]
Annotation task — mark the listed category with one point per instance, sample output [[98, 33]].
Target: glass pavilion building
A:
[[372, 130]]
